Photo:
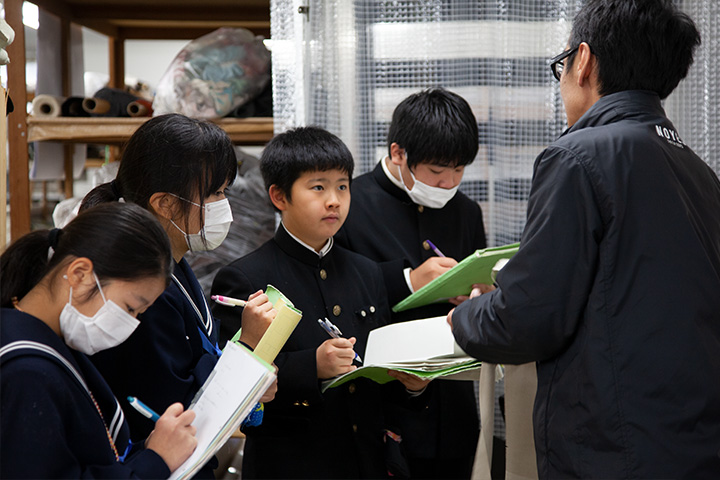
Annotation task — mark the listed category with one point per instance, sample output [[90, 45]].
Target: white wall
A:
[[145, 60]]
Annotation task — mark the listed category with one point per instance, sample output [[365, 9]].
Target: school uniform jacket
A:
[[385, 225], [169, 356], [305, 433], [50, 425]]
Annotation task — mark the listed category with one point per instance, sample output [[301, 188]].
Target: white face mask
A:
[[108, 328], [423, 194], [218, 217]]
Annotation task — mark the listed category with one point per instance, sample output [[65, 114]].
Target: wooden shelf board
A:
[[116, 131]]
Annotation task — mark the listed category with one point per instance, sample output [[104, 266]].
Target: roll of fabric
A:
[[45, 105], [109, 102], [96, 106], [140, 108], [73, 107]]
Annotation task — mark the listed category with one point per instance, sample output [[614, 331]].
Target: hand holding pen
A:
[[173, 438], [257, 315], [431, 268], [334, 356], [334, 332]]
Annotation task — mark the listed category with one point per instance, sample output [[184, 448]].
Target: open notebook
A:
[[231, 391], [425, 348]]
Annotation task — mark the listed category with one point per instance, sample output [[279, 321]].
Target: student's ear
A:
[[397, 154], [278, 197], [163, 204], [79, 274]]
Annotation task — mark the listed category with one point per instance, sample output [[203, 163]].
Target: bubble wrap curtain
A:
[[345, 64]]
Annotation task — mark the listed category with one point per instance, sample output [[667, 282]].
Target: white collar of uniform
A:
[[390, 176], [323, 251]]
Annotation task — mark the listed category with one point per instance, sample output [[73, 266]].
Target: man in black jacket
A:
[[615, 291]]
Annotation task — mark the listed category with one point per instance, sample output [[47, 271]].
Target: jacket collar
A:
[[381, 178], [291, 247], [617, 106]]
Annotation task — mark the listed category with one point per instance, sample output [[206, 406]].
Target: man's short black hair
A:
[[639, 44], [435, 126], [305, 149]]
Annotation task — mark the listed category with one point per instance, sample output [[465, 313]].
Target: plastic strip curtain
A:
[[344, 65]]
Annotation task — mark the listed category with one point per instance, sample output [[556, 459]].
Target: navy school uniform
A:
[[385, 225], [306, 433], [168, 357], [51, 427]]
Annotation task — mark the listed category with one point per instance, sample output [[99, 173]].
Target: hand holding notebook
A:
[[279, 330], [476, 268]]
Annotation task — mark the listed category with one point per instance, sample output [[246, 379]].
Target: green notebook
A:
[[476, 268], [379, 374]]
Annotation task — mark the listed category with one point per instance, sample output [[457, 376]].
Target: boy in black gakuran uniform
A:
[[306, 433], [410, 197]]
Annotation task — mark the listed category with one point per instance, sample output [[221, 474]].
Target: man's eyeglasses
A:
[[556, 64]]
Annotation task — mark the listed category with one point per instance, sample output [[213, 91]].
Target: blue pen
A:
[[143, 409], [334, 332], [434, 248]]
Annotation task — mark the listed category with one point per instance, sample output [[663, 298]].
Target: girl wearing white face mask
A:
[[177, 168], [67, 293]]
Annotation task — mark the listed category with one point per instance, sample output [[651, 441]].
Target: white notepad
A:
[[229, 394]]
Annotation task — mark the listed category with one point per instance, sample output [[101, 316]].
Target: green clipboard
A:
[[476, 268]]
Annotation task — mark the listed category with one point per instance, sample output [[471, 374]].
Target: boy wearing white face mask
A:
[[410, 197], [177, 168]]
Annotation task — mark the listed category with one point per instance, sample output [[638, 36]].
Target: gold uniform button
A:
[[305, 403], [426, 246], [352, 388], [421, 208], [354, 428], [337, 310], [372, 309], [323, 274], [363, 313]]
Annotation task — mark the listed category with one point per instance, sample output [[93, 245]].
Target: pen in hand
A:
[[434, 248], [334, 332], [143, 409]]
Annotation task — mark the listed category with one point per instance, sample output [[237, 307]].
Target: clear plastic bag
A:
[[214, 74]]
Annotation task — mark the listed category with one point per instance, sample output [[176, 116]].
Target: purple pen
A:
[[434, 248]]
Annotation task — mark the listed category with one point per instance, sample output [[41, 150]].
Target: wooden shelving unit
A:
[[120, 20]]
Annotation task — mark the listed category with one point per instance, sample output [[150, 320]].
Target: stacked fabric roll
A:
[[107, 102]]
